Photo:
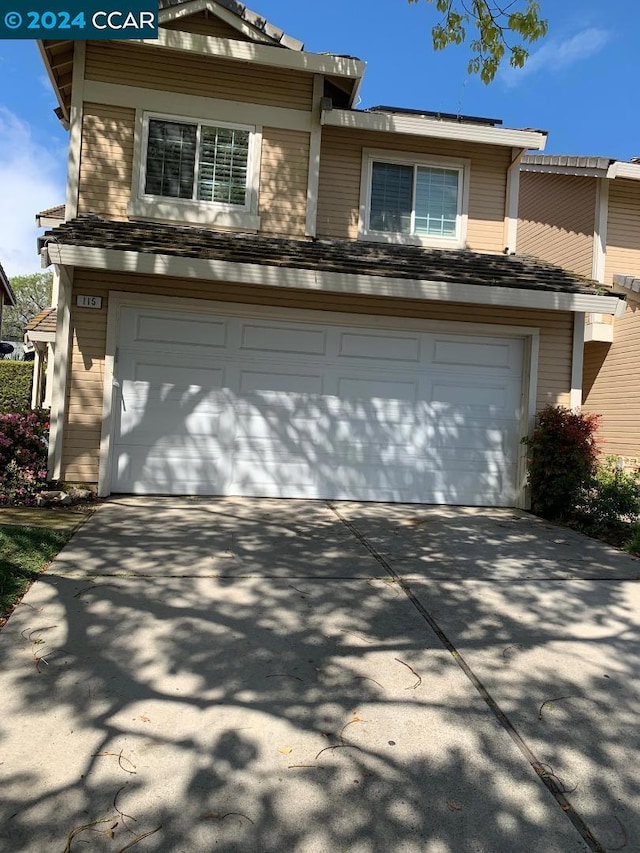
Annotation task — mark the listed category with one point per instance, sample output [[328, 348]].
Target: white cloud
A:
[[556, 55], [31, 179]]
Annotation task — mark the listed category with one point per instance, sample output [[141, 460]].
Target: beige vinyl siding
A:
[[612, 385], [557, 220], [189, 74], [106, 160], [80, 459], [204, 24], [623, 234], [340, 170], [284, 174]]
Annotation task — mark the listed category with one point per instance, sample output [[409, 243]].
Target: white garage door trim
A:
[[120, 300]]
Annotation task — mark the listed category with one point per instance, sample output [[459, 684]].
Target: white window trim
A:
[[193, 211], [374, 155]]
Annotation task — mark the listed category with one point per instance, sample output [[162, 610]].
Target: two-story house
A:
[[584, 214], [265, 291]]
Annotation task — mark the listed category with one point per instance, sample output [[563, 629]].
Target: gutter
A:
[[149, 263]]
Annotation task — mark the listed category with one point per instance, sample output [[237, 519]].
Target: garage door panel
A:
[[296, 409], [173, 375], [200, 332], [147, 399], [143, 428], [284, 339], [150, 327], [466, 396], [376, 389], [190, 472], [379, 347], [472, 354], [280, 382]]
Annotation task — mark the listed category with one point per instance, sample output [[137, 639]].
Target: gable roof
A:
[[264, 44], [9, 295], [234, 13]]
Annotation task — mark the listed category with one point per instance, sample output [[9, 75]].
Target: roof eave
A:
[[620, 169], [65, 119], [10, 297], [250, 274], [260, 54], [237, 15], [420, 126]]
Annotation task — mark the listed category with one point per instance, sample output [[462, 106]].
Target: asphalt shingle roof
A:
[[341, 256], [45, 321], [56, 212]]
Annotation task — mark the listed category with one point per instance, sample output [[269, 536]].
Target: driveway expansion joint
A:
[[541, 770]]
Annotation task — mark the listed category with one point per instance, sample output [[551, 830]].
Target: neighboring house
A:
[[262, 290], [7, 296], [584, 213]]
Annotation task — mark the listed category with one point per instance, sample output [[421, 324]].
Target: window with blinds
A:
[[201, 162], [418, 201], [414, 200]]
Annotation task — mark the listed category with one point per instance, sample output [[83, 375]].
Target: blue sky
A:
[[580, 85]]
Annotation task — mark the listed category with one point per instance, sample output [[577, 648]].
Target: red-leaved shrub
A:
[[563, 461], [24, 440]]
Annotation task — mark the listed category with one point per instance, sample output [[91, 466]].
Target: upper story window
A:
[[413, 200], [197, 171], [197, 161]]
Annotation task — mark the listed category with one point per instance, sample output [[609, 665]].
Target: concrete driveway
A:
[[263, 675]]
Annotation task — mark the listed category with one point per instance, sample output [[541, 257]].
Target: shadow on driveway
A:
[[245, 676]]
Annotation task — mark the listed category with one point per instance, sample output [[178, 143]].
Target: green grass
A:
[[24, 552]]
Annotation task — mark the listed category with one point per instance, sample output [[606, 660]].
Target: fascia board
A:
[[147, 263], [44, 337], [261, 54], [52, 80], [176, 13], [624, 170], [418, 126]]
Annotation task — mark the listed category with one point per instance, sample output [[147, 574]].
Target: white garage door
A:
[[279, 406]]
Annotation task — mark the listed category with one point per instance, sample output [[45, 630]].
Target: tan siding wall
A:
[[612, 385], [84, 410], [623, 235], [206, 25], [340, 169], [283, 183], [167, 71], [557, 220], [106, 160]]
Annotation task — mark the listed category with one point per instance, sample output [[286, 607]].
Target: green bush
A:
[[562, 461], [633, 545], [15, 386], [613, 499]]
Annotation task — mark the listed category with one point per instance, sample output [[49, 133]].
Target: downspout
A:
[[511, 201]]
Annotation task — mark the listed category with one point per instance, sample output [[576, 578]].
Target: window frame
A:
[[194, 210], [403, 158]]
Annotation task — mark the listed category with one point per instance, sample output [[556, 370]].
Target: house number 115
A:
[[89, 301]]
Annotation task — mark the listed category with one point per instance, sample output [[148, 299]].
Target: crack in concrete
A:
[[539, 768]]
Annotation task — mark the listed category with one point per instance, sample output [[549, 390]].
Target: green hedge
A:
[[15, 386]]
